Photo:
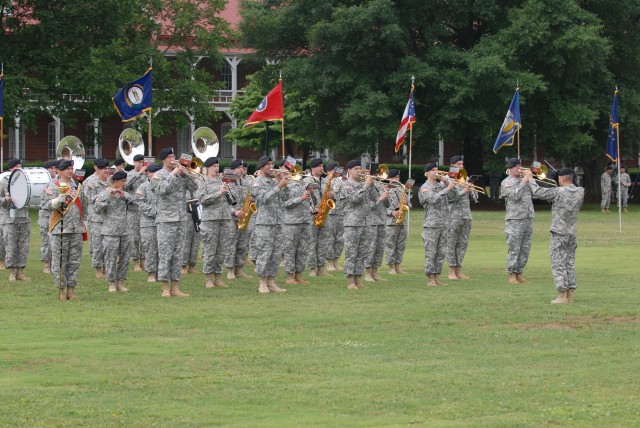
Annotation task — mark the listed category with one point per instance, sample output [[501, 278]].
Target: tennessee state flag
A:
[[408, 119], [270, 108], [135, 98]]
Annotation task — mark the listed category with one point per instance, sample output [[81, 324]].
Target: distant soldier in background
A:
[[624, 181], [43, 223], [335, 222], [605, 189], [239, 240], [396, 234], [92, 188], [135, 178], [119, 164], [147, 201]]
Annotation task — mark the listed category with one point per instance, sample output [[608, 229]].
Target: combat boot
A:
[[432, 280], [351, 283], [452, 273], [183, 270], [120, 286], [47, 267], [271, 285], [141, 264], [330, 266], [602, 210], [20, 276], [3, 266], [570, 295], [438, 280], [521, 279], [175, 290], [513, 279], [358, 281], [299, 280], [112, 287], [62, 295], [375, 276], [240, 274], [399, 270], [100, 272], [71, 295], [625, 210], [392, 269], [136, 266], [367, 274], [323, 272], [12, 274], [209, 282], [459, 273], [291, 278], [231, 274], [336, 265], [217, 281], [165, 289], [262, 288], [561, 299], [191, 269], [313, 272], [152, 277]]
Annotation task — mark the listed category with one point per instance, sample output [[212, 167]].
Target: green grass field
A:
[[476, 353]]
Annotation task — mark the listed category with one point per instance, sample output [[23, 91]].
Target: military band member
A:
[[358, 196], [252, 224], [67, 229], [624, 181], [192, 237], [433, 197], [335, 222], [113, 203], [459, 224], [518, 228], [94, 186], [216, 224], [119, 164], [268, 194], [146, 201], [16, 229], [396, 234], [319, 235], [43, 223], [376, 222], [174, 181], [566, 201], [135, 178], [605, 188], [239, 241], [296, 230]]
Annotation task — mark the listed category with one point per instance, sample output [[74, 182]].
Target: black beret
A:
[[49, 164], [101, 163], [281, 162], [64, 164], [235, 163], [610, 168], [58, 163], [393, 173], [430, 166], [211, 161], [513, 162], [263, 161], [565, 171], [138, 158], [154, 167], [165, 152], [331, 166], [245, 164], [315, 162], [13, 163], [456, 159], [118, 161], [354, 163], [119, 176]]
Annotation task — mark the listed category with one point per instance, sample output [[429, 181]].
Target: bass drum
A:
[[26, 186]]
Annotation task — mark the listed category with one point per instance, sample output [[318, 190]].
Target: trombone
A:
[[540, 173], [460, 178]]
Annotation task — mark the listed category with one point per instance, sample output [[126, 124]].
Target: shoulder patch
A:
[[138, 192], [256, 184], [348, 187], [425, 190]]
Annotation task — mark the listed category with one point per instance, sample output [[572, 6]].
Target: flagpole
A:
[[2, 125], [283, 155], [149, 137], [413, 79], [619, 191], [518, 131]]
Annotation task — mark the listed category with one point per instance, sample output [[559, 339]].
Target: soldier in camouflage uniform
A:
[[252, 223], [358, 196], [43, 223], [518, 220], [239, 241], [3, 214], [433, 197], [146, 201], [317, 257], [172, 185], [16, 229], [376, 222], [566, 201], [459, 224], [296, 230], [66, 228], [396, 234], [268, 194], [624, 181], [192, 237], [135, 178], [94, 186], [113, 204], [605, 188], [217, 223], [335, 222]]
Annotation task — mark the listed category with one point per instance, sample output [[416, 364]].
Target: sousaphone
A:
[[71, 148], [130, 144], [204, 143]]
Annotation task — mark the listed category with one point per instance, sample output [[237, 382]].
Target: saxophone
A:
[[325, 205], [248, 208], [404, 207]]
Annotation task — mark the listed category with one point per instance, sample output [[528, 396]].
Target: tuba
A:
[[204, 143], [130, 144], [71, 148]]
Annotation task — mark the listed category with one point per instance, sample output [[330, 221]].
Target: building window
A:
[[92, 140], [226, 146], [184, 141], [226, 75], [12, 143], [52, 141], [434, 149]]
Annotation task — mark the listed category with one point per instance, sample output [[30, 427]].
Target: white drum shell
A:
[[39, 179]]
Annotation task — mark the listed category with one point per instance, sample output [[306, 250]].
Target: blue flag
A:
[[134, 99], [614, 128], [510, 126]]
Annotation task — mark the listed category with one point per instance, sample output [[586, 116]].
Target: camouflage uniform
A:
[[43, 225], [335, 222], [396, 234], [296, 230], [459, 227], [433, 197], [146, 201], [3, 218], [66, 236], [518, 222], [134, 180], [216, 226], [250, 179], [624, 181], [115, 238], [171, 214], [376, 219], [239, 239], [605, 186], [192, 237], [566, 202], [319, 242], [91, 191], [268, 197], [357, 200], [16, 230]]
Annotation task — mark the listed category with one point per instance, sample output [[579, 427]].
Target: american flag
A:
[[408, 119]]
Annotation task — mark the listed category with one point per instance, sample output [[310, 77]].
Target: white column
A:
[[441, 152], [97, 150], [234, 147], [17, 137], [405, 161], [233, 63]]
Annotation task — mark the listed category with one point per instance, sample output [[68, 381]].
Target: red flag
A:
[[270, 108], [408, 119]]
